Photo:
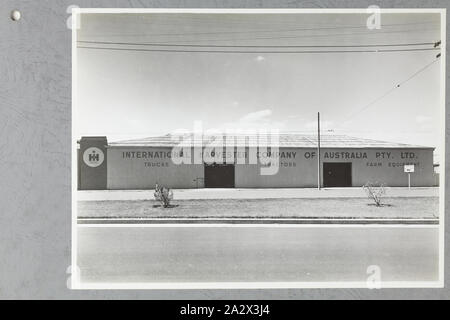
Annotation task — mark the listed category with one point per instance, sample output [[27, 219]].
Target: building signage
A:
[[345, 155], [146, 154], [206, 154], [282, 158], [93, 157]]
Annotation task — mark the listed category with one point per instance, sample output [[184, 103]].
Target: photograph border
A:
[[75, 279]]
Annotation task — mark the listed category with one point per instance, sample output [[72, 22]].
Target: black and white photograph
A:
[[258, 148]]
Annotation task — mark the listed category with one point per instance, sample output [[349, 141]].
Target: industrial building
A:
[[344, 162]]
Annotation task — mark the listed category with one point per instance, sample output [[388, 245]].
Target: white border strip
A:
[[260, 285], [73, 269], [253, 285], [251, 11], [242, 225], [442, 171], [259, 219]]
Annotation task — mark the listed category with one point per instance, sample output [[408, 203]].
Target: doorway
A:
[[219, 175], [337, 174]]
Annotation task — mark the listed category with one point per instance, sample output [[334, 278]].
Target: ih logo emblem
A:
[[93, 157]]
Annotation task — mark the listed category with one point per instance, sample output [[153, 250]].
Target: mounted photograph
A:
[[258, 148]]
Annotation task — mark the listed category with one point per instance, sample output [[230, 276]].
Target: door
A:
[[337, 174], [219, 175]]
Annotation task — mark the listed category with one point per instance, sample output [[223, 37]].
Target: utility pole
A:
[[318, 150]]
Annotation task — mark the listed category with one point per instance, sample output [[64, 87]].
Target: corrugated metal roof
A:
[[282, 140]]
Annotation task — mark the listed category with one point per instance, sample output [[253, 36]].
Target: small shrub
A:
[[375, 191], [163, 195]]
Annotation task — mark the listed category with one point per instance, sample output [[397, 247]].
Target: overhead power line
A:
[[264, 31], [388, 92], [257, 46], [372, 33], [259, 52]]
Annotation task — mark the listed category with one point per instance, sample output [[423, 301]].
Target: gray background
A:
[[35, 173]]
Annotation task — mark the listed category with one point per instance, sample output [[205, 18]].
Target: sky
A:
[[125, 93]]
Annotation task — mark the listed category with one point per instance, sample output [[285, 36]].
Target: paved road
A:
[[219, 253]]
